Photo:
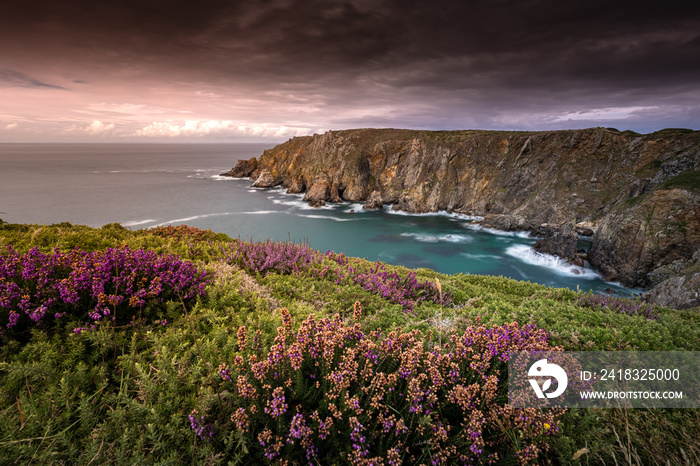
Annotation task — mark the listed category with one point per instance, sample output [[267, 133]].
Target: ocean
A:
[[146, 185]]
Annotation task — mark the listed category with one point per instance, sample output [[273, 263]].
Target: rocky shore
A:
[[637, 197]]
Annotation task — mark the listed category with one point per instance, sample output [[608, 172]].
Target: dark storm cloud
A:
[[592, 40], [16, 79], [351, 35], [439, 63]]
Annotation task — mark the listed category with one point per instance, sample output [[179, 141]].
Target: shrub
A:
[[407, 291], [39, 289], [180, 232], [332, 392], [630, 307], [289, 257], [270, 256]]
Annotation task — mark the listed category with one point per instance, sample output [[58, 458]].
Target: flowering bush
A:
[[288, 257], [625, 306], [37, 288], [332, 392], [407, 291], [270, 256]]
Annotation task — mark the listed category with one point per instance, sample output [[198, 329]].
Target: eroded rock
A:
[[243, 169], [374, 202], [318, 192], [266, 180], [561, 243], [507, 223], [632, 243]]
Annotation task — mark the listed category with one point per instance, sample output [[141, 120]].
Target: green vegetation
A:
[[689, 180], [649, 169], [167, 388], [673, 132]]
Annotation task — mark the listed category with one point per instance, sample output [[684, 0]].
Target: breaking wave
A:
[[425, 238], [557, 265]]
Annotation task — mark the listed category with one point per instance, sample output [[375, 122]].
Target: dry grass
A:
[[658, 437], [232, 275]]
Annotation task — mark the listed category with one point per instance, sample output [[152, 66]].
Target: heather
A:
[[625, 306], [161, 378], [38, 289], [331, 391], [289, 257]]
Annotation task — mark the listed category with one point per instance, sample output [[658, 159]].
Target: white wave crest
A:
[[133, 223], [194, 217], [557, 265], [357, 207], [494, 231], [324, 217], [222, 178], [439, 213], [480, 257], [298, 204], [260, 212], [423, 238]]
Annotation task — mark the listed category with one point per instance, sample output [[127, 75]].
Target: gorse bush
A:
[[331, 392], [37, 289]]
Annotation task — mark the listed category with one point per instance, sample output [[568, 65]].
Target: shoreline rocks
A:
[[243, 169], [563, 243], [374, 202]]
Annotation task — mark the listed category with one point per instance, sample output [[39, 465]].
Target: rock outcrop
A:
[[638, 195], [681, 288], [508, 222], [374, 202], [639, 237], [561, 242], [265, 179], [243, 169]]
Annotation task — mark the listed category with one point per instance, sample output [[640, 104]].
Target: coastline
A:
[[471, 224], [633, 197]]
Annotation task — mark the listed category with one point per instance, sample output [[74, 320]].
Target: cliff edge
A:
[[637, 195]]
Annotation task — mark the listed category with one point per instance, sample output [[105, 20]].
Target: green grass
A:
[[67, 398], [673, 132], [689, 180]]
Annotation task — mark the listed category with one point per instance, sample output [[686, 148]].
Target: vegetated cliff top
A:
[[458, 134]]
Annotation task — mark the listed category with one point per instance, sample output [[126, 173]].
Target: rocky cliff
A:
[[639, 195]]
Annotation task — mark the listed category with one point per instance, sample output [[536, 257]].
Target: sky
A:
[[268, 70]]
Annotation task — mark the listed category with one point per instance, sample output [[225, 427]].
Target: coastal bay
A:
[[142, 186]]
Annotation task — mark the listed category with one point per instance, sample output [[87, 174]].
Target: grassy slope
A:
[[125, 397]]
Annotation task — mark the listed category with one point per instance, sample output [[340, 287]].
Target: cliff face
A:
[[640, 192]]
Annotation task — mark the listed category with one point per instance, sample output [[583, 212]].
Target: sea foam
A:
[[494, 231], [425, 238], [133, 223], [439, 213], [194, 217], [557, 265], [326, 217]]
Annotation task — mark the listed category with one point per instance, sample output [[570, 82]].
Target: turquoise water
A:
[[141, 186]]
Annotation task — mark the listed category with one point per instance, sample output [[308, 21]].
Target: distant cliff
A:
[[638, 194]]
